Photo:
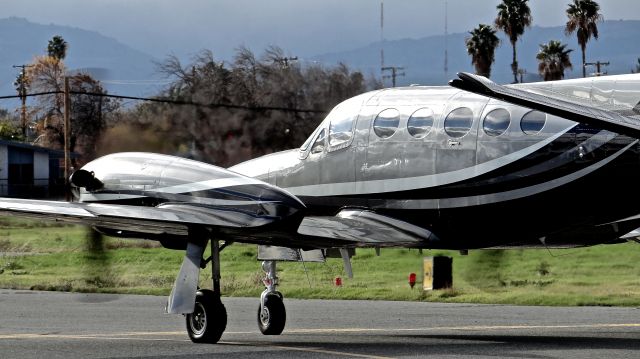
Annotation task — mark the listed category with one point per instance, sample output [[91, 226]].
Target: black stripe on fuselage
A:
[[558, 159]]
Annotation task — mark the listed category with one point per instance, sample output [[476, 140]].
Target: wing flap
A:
[[562, 107]]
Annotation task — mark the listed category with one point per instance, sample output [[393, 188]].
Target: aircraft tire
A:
[[208, 320], [272, 319]]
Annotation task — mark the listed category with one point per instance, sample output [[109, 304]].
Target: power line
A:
[[174, 102]]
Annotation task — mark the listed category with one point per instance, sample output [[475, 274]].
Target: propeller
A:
[[98, 273], [484, 268]]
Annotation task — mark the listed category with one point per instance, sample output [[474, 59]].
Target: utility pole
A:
[[522, 72], [598, 65], [284, 61], [394, 73], [67, 131], [21, 84]]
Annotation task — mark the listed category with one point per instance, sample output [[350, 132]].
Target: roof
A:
[[34, 148]]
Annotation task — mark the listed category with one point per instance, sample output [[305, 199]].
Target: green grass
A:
[[50, 256]]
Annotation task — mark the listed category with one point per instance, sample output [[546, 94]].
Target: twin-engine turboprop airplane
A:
[[475, 165]]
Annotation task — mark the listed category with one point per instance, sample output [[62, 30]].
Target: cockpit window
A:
[[318, 144], [420, 123], [532, 122], [307, 143], [386, 123], [458, 122], [341, 131], [337, 127], [496, 122]]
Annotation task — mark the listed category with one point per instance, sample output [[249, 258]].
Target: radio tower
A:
[[381, 39], [446, 35]]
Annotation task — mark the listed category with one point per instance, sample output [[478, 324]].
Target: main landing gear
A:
[[208, 320]]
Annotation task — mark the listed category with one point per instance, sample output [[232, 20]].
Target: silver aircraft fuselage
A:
[[475, 171]]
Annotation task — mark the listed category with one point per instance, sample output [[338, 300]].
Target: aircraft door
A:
[[458, 132], [401, 142], [385, 147]]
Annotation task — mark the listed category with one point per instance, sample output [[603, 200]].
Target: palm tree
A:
[[57, 48], [553, 60], [583, 18], [481, 45], [513, 17]]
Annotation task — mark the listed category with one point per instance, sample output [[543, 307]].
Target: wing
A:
[[170, 219], [562, 107]]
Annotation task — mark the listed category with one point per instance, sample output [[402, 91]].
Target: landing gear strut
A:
[[272, 315], [209, 318]]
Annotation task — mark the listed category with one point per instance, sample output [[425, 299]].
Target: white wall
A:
[[41, 168]]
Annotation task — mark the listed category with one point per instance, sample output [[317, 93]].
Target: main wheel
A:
[[273, 316], [208, 320]]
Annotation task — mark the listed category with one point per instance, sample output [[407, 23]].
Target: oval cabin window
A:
[[533, 122], [458, 122], [420, 123], [496, 122], [386, 123]]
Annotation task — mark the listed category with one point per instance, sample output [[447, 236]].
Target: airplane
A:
[[468, 166]]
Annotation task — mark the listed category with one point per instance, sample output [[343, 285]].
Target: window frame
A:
[[431, 128], [529, 133], [468, 130], [397, 128], [506, 129]]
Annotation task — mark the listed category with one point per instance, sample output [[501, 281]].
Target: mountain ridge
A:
[[423, 58], [22, 40]]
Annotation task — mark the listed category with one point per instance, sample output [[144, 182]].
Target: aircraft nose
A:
[[85, 179]]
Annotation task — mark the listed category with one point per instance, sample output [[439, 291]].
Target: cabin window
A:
[[532, 122], [458, 122], [386, 123], [420, 123], [496, 122]]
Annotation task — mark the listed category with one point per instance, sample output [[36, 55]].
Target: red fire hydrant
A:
[[412, 280], [338, 282]]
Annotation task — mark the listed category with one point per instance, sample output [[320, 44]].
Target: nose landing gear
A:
[[272, 315]]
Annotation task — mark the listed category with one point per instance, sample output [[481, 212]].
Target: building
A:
[[29, 171]]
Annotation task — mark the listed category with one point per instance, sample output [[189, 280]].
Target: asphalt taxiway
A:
[[69, 325]]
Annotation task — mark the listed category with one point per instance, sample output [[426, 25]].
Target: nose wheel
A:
[[272, 315]]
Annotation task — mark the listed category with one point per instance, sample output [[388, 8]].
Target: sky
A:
[[301, 27]]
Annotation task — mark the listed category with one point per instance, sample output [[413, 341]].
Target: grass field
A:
[[50, 256]]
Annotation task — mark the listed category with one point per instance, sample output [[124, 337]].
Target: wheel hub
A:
[[264, 316], [198, 321]]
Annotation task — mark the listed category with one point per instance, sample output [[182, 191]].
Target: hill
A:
[[423, 58], [109, 60]]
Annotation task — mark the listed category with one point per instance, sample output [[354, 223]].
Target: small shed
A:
[[29, 171]]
